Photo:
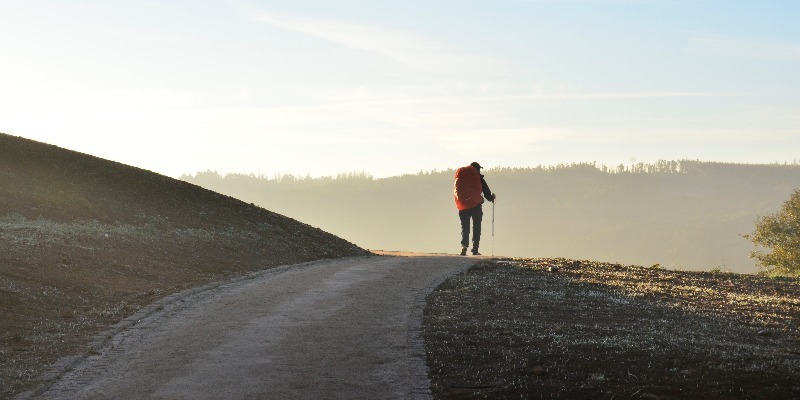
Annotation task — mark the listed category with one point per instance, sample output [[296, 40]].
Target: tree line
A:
[[680, 214]]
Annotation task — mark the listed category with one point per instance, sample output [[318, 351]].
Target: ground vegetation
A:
[[558, 328]]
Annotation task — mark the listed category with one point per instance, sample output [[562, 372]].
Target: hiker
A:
[[469, 190]]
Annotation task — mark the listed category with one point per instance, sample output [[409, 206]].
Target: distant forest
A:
[[679, 214]]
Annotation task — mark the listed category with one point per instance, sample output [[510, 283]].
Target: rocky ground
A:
[[555, 328]]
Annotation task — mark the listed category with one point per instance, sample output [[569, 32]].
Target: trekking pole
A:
[[493, 203]]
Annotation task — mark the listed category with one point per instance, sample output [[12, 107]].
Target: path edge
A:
[[418, 363], [104, 341]]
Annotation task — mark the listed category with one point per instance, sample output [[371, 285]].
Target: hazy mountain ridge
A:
[[680, 214]]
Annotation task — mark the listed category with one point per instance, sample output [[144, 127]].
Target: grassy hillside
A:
[[680, 214], [85, 242]]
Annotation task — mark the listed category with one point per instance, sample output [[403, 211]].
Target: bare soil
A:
[[556, 328]]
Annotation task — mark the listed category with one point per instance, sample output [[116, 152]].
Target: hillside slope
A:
[[85, 242]]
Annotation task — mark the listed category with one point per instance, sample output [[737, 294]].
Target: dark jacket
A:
[[487, 193]]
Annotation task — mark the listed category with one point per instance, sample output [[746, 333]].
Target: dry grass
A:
[[514, 329]]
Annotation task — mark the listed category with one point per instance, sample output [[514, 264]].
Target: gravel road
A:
[[347, 328]]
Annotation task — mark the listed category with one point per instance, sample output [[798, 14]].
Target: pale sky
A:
[[321, 87]]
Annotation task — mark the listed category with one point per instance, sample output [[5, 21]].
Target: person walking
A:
[[469, 190]]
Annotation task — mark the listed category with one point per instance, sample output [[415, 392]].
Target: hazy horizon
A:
[[313, 87], [359, 174], [679, 214]]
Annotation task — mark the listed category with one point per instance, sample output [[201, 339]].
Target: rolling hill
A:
[[85, 242]]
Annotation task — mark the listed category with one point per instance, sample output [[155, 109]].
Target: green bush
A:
[[781, 233]]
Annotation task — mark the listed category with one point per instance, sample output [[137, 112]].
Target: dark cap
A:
[[476, 165]]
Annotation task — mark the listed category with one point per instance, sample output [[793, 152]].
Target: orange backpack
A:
[[467, 188]]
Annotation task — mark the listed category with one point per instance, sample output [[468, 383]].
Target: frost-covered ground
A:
[[555, 328]]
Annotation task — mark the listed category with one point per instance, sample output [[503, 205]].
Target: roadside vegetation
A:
[[779, 232]]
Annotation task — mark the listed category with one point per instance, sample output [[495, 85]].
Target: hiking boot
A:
[[463, 251], [475, 252]]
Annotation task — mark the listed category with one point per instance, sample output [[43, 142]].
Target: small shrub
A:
[[781, 233]]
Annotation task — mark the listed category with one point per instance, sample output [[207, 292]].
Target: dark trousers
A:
[[476, 215]]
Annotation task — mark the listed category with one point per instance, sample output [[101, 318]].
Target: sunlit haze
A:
[[321, 87]]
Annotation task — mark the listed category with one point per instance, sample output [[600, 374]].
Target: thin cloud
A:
[[645, 2], [406, 48], [609, 96], [438, 99], [491, 142], [744, 47]]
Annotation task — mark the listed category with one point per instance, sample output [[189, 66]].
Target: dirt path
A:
[[347, 328]]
